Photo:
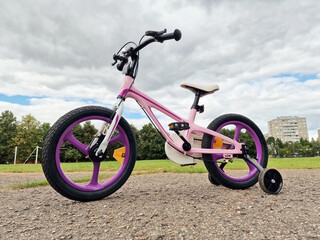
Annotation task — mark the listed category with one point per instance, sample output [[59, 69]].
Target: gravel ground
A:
[[165, 206]]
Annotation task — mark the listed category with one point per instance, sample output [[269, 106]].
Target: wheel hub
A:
[[94, 156]]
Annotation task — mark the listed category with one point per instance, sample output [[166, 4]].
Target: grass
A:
[[152, 167], [20, 168], [162, 166], [30, 185], [295, 163]]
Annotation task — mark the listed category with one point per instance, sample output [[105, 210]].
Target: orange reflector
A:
[[119, 154], [217, 142]]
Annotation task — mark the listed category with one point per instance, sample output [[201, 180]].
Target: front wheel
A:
[[235, 173], [67, 146]]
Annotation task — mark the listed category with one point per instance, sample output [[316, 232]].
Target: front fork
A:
[[99, 145]]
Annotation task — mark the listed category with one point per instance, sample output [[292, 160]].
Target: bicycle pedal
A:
[[178, 126]]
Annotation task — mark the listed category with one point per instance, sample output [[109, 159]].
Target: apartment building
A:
[[288, 129]]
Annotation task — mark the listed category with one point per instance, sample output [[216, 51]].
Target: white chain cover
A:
[[180, 158]]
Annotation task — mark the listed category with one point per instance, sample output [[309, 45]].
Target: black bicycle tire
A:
[[213, 169], [49, 148]]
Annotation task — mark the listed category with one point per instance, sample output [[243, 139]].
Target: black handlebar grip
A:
[[176, 35]]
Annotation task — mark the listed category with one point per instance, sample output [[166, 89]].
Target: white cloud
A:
[[62, 50]]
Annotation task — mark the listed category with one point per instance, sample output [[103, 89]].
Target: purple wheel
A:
[[235, 173], [67, 146]]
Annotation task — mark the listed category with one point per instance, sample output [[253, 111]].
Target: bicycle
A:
[[186, 144]]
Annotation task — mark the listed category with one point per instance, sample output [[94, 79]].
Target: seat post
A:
[[196, 99], [195, 104]]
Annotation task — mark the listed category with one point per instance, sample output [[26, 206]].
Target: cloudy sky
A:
[[265, 56]]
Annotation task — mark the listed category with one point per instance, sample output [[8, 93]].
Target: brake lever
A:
[[115, 60], [117, 57], [155, 33]]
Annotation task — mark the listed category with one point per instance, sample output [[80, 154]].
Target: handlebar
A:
[[155, 36], [158, 37], [176, 35]]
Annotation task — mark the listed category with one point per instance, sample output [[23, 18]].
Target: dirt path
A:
[[167, 206], [7, 180]]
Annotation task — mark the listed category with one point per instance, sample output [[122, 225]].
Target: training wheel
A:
[[270, 181], [213, 179]]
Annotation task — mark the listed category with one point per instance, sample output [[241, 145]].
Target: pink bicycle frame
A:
[[128, 90]]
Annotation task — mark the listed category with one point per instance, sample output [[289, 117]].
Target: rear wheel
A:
[[69, 141], [213, 179], [235, 173]]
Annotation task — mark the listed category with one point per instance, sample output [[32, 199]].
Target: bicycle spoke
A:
[[237, 132], [95, 174], [76, 143], [115, 139]]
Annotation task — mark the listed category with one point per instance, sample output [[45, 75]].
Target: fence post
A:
[[37, 149], [15, 155]]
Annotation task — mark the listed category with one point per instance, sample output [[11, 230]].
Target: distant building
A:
[[319, 135], [288, 129]]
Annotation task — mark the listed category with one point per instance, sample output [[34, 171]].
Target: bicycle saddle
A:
[[203, 89]]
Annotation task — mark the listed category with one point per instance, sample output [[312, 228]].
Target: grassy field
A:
[[160, 166]]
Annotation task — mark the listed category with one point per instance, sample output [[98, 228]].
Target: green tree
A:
[[315, 147], [29, 135], [271, 143], [84, 132], [136, 133], [44, 129], [8, 130], [73, 155], [279, 143], [151, 143], [278, 148]]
